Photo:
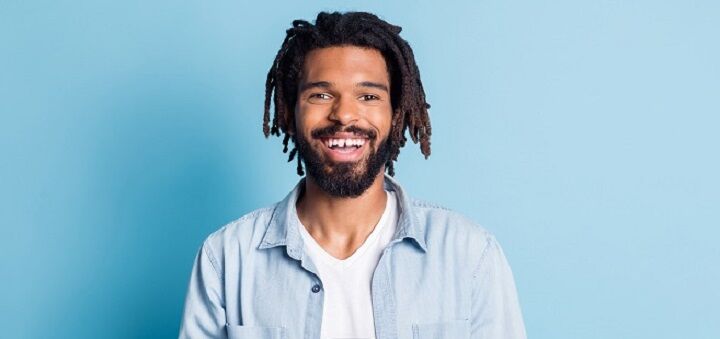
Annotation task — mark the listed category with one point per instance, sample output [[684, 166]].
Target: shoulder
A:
[[438, 218], [243, 233], [449, 231]]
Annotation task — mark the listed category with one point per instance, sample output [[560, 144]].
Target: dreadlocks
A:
[[357, 29]]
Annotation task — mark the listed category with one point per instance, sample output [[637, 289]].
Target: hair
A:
[[410, 110]]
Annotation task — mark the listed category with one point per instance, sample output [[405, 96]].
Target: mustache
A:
[[328, 131]]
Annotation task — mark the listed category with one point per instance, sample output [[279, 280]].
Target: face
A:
[[343, 117]]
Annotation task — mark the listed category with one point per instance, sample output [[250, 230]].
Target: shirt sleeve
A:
[[204, 313], [495, 307]]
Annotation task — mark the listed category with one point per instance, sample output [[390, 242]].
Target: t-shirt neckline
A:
[[371, 239]]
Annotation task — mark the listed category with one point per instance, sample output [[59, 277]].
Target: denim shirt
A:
[[441, 276]]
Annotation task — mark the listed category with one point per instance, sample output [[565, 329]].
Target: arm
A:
[[495, 307], [204, 314]]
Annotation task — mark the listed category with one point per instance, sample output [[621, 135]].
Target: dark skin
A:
[[345, 85]]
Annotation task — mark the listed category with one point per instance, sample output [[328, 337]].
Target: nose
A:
[[345, 111]]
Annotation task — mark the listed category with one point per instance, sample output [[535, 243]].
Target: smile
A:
[[344, 150], [344, 143]]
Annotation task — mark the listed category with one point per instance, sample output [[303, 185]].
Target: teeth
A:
[[344, 142]]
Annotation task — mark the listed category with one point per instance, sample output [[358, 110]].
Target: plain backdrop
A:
[[583, 134]]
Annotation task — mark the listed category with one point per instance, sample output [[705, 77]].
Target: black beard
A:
[[344, 179]]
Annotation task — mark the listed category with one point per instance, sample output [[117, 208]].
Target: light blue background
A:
[[584, 134]]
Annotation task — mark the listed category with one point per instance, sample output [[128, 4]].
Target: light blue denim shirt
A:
[[442, 276]]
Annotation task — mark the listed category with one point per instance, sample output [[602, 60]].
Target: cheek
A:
[[308, 114], [383, 122], [302, 118]]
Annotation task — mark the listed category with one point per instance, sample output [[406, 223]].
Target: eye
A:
[[321, 96], [369, 97]]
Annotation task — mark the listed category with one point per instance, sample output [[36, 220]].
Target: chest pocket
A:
[[255, 332], [457, 329]]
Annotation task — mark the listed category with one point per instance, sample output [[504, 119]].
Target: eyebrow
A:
[[316, 84], [326, 84], [373, 85]]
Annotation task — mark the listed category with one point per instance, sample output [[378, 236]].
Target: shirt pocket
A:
[[255, 332], [456, 329]]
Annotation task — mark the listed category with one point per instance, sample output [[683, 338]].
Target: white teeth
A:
[[344, 142]]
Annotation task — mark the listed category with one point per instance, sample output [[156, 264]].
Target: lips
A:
[[344, 147], [344, 142]]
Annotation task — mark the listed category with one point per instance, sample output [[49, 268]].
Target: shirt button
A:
[[316, 288]]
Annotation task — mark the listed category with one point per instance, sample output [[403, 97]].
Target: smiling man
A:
[[347, 254]]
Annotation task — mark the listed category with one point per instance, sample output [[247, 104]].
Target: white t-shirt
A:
[[347, 304]]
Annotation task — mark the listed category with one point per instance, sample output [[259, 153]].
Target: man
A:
[[347, 254]]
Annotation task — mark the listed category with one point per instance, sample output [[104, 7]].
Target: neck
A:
[[340, 225]]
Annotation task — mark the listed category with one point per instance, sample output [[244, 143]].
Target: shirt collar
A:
[[283, 228]]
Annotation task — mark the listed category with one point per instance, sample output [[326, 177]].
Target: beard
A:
[[343, 179]]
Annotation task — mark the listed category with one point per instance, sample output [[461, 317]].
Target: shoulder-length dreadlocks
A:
[[356, 29]]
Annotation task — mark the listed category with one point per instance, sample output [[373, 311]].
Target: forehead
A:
[[345, 63]]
